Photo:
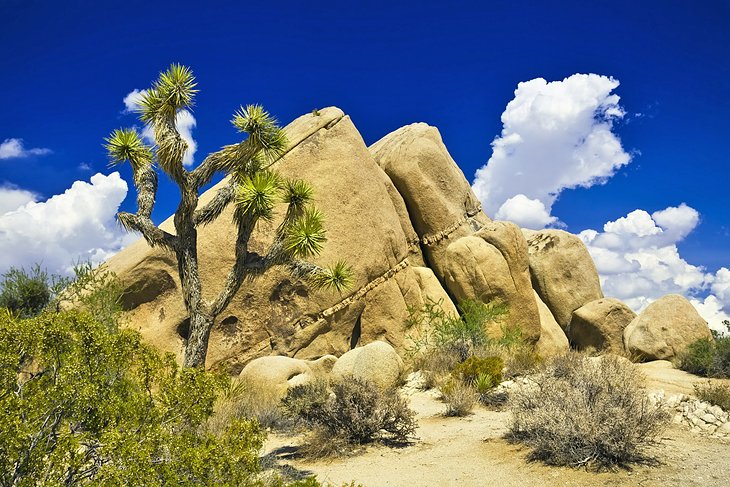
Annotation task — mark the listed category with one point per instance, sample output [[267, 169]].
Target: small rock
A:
[[708, 418]]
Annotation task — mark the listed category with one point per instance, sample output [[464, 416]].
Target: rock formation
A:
[[403, 215], [600, 325]]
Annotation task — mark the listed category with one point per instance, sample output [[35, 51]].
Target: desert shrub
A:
[[352, 410], [582, 410], [241, 400], [459, 397], [25, 293], [708, 358], [473, 369], [714, 393], [80, 404]]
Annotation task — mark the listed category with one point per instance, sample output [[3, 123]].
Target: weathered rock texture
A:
[[600, 325], [552, 340], [492, 264], [562, 271], [376, 362], [275, 314], [276, 374], [665, 328]]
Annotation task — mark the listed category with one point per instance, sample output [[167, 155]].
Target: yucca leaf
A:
[[126, 145], [173, 91], [264, 133], [338, 277], [256, 195], [297, 194], [305, 235]]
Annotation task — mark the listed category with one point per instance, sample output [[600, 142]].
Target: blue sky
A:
[[68, 68]]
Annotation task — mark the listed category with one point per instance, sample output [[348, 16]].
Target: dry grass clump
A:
[[347, 413], [251, 401], [586, 411], [460, 398], [714, 393]]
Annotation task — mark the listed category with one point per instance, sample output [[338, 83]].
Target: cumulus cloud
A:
[[76, 225], [12, 198], [556, 135], [638, 261], [184, 121], [14, 148]]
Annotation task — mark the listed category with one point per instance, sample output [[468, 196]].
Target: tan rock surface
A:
[[376, 362], [600, 325], [665, 328], [490, 265], [562, 272], [276, 314], [552, 340], [276, 374]]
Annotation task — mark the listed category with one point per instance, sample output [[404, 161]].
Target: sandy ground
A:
[[471, 451]]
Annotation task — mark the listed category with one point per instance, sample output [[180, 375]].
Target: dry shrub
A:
[[245, 400], [350, 410], [585, 411], [460, 398], [714, 393]]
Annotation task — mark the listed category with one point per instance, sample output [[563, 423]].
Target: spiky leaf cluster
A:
[[338, 277], [263, 131], [126, 145], [305, 235], [173, 91], [257, 195]]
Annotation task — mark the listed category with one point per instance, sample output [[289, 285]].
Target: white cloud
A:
[[184, 121], [78, 224], [526, 212], [12, 198], [13, 148], [555, 136], [638, 261], [84, 167]]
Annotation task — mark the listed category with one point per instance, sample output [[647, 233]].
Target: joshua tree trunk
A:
[[253, 186]]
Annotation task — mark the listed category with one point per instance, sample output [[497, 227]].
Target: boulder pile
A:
[[403, 215]]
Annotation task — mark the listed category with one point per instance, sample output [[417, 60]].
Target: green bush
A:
[[708, 358], [79, 405], [25, 293], [586, 411], [352, 410], [474, 369], [717, 394]]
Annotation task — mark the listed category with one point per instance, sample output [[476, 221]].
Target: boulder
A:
[[600, 325], [276, 374], [376, 362], [276, 314], [440, 201], [665, 328], [552, 340], [430, 288], [562, 272], [491, 265]]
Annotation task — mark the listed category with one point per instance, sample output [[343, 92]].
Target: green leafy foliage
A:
[[126, 145], [80, 404], [25, 293], [485, 370], [708, 358], [305, 236]]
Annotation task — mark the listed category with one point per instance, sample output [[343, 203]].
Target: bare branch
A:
[[215, 207], [153, 235], [235, 277]]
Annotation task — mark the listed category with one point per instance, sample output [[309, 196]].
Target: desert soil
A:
[[471, 451]]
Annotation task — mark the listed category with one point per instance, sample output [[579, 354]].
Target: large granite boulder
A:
[[600, 325], [665, 328], [492, 264], [552, 340], [276, 374], [441, 204], [275, 313], [376, 362], [562, 272]]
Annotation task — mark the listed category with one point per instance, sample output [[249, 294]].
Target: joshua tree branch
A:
[[215, 207], [152, 234]]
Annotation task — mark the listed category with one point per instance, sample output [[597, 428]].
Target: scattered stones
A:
[[699, 416]]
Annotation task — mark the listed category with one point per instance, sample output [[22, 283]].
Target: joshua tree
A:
[[253, 186]]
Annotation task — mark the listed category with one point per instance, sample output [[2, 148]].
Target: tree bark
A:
[[196, 350]]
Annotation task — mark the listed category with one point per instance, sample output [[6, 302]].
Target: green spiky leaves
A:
[[263, 131], [338, 277], [305, 235], [173, 91], [257, 195], [126, 145], [297, 194]]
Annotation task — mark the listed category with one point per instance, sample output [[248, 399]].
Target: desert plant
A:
[[714, 393], [80, 404], [25, 292], [479, 368], [352, 410], [459, 397], [709, 358], [582, 410], [253, 186]]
